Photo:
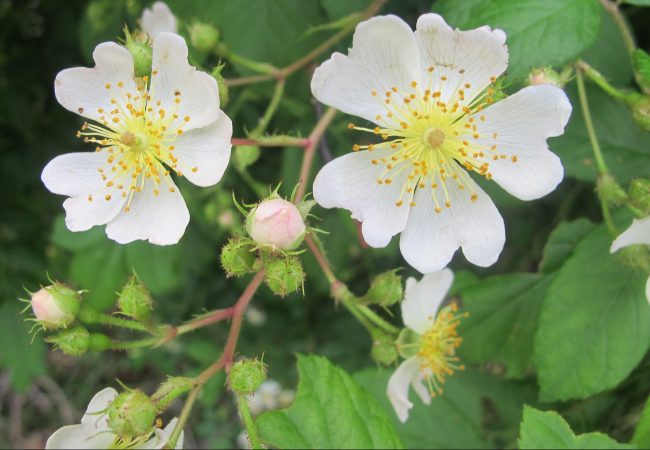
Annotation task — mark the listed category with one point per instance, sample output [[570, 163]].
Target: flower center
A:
[[137, 137], [437, 351], [434, 134]]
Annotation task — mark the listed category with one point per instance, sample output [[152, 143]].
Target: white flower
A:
[[94, 432], [637, 233], [431, 348], [430, 94], [140, 135], [157, 19]]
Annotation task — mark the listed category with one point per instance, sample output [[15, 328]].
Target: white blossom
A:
[[430, 94], [142, 130], [157, 19], [637, 234], [94, 432]]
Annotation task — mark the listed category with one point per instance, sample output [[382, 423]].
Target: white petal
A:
[[98, 404], [350, 182], [161, 436], [420, 388], [207, 149], [158, 19], [85, 91], [523, 122], [423, 298], [383, 55], [637, 233], [173, 77], [161, 219], [77, 175], [80, 437], [430, 239], [398, 387], [480, 54]]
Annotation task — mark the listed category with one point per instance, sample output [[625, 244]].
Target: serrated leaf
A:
[[557, 30], [641, 436], [474, 405], [541, 430], [562, 242], [626, 148], [503, 313], [593, 323], [330, 411]]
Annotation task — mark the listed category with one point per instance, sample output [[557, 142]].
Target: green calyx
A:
[[141, 52], [135, 300], [385, 290], [247, 375], [383, 351], [238, 257], [284, 274], [132, 414], [74, 341]]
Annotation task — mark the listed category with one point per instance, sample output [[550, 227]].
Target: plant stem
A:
[[249, 423], [374, 318], [270, 109], [595, 146], [272, 141], [613, 9], [204, 320], [90, 315], [131, 345], [308, 158], [598, 78]]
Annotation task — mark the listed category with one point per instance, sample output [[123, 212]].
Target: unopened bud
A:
[[135, 300], [56, 306], [639, 195], [385, 290], [641, 111], [284, 275], [224, 96], [610, 190], [545, 75], [384, 350], [171, 389], [204, 37], [246, 155], [142, 54], [131, 414], [246, 376], [74, 341], [276, 223], [237, 257]]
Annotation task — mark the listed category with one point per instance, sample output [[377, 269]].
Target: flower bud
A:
[[383, 349], [56, 306], [237, 257], [224, 95], [131, 414], [610, 191], [204, 37], [74, 341], [135, 300], [639, 195], [284, 275], [168, 391], [141, 52], [385, 290], [276, 223], [247, 376], [641, 112], [545, 75]]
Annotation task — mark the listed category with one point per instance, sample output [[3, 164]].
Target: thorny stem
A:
[[225, 361], [90, 315], [249, 423], [283, 73], [204, 320], [131, 345], [308, 158], [595, 146]]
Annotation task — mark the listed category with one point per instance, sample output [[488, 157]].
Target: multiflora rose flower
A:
[[94, 431], [158, 19], [142, 129], [429, 342], [637, 234], [430, 94]]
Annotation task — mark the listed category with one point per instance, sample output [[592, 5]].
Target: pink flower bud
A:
[[276, 223], [55, 306]]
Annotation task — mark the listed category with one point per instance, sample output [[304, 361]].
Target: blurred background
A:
[[41, 390]]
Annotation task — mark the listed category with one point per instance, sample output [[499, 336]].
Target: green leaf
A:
[[642, 66], [626, 148], [336, 9], [23, 359], [474, 405], [637, 2], [330, 411], [593, 324], [548, 33], [503, 313], [548, 429], [642, 433], [562, 242]]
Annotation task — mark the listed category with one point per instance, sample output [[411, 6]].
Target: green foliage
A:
[[549, 430], [558, 30], [641, 436], [330, 411], [591, 334]]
